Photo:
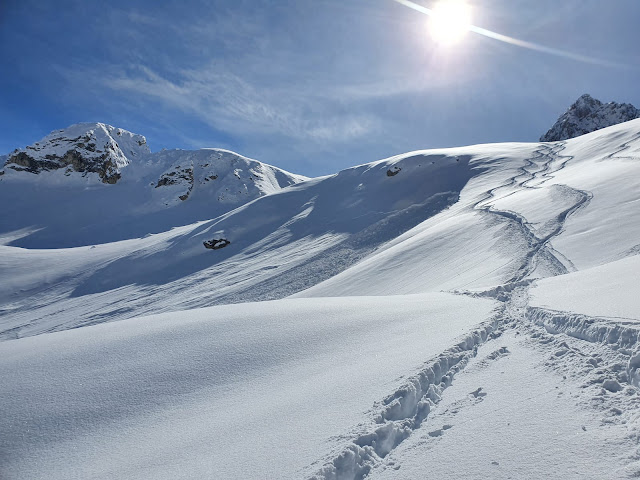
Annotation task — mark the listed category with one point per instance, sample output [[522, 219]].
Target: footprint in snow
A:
[[478, 393], [440, 431]]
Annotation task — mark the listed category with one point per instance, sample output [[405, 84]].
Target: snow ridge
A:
[[228, 178], [587, 115]]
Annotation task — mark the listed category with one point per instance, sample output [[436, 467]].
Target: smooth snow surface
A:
[[611, 290], [240, 391]]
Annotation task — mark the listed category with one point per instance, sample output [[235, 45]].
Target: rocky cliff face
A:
[[587, 115], [85, 148]]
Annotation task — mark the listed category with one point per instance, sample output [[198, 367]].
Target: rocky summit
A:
[[86, 148], [587, 115]]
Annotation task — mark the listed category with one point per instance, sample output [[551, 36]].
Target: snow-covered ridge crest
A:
[[226, 177], [587, 115], [85, 148]]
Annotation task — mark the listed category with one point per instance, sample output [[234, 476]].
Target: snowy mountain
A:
[[223, 176], [587, 115], [458, 313], [86, 148], [93, 183]]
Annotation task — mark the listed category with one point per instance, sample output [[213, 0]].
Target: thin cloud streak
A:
[[523, 43], [229, 103]]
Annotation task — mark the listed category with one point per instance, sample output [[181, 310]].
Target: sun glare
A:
[[449, 21]]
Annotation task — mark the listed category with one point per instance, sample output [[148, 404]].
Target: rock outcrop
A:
[[216, 243], [219, 175], [85, 148], [587, 115]]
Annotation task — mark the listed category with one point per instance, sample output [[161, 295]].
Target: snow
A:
[[238, 391], [94, 151], [50, 204], [460, 313], [505, 417], [279, 245], [122, 145], [610, 290]]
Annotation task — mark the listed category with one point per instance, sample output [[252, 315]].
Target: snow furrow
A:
[[399, 414], [538, 247], [623, 337]]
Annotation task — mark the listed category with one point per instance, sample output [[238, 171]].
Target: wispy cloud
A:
[[237, 71], [227, 102]]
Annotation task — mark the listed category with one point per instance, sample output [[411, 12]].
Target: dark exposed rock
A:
[[180, 176], [102, 165], [393, 171], [216, 244]]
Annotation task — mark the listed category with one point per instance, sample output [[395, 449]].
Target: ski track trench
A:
[[605, 351]]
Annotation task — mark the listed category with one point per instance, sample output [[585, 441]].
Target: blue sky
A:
[[310, 86]]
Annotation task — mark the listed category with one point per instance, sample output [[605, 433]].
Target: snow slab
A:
[[252, 390], [609, 291], [506, 416]]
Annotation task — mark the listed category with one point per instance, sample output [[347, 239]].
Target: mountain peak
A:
[[588, 114], [86, 148]]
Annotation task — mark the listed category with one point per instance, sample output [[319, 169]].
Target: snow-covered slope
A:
[[224, 393], [461, 313], [587, 115], [279, 244], [574, 205], [93, 183], [217, 176]]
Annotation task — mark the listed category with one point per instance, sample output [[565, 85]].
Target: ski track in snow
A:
[[593, 343]]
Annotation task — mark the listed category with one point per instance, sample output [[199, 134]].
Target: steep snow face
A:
[[569, 206], [86, 148], [587, 115], [219, 175]]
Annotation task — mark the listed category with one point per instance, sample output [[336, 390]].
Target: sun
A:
[[450, 21]]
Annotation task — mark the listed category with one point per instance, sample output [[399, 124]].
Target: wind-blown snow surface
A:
[[445, 301]]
